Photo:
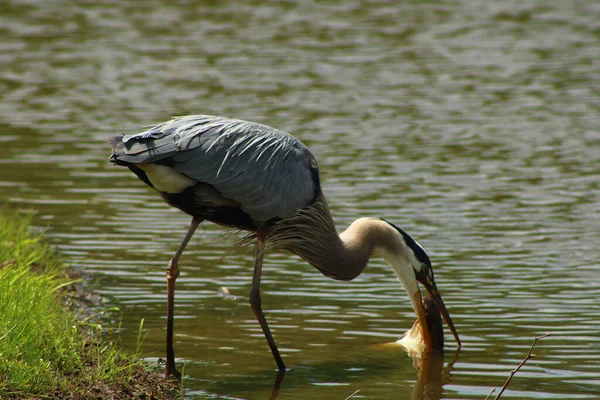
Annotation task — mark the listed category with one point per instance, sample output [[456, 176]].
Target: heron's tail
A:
[[116, 142]]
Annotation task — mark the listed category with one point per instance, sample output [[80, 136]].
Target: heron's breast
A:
[[166, 179]]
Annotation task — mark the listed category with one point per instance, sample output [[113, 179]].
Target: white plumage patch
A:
[[166, 179]]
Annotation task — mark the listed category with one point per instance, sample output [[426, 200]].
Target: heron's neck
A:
[[364, 238], [311, 234]]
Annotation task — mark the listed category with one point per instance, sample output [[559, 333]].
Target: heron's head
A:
[[415, 256]]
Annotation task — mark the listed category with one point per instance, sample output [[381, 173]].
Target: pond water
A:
[[473, 125]]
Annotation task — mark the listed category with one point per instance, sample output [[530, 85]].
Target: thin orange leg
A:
[[172, 274], [256, 301]]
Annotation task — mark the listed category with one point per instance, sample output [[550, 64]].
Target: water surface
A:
[[473, 125]]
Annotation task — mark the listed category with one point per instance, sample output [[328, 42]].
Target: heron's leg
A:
[[255, 300], [172, 274]]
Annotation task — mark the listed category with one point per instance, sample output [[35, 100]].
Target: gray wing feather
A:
[[263, 169]]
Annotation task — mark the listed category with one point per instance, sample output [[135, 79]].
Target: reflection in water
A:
[[432, 375], [430, 378], [277, 384]]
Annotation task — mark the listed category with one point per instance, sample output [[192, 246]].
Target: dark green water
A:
[[473, 125]]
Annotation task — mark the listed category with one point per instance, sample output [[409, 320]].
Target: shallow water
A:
[[473, 125]]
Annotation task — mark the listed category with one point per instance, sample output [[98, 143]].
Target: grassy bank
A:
[[44, 351]]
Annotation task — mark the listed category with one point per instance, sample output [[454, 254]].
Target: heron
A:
[[264, 181]]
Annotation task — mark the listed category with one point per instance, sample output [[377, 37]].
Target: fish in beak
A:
[[415, 338], [429, 283]]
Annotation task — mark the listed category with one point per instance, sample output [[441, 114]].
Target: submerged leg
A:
[[172, 274], [255, 300]]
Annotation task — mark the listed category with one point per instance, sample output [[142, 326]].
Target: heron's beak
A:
[[431, 287]]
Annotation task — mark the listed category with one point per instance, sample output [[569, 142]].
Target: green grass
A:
[[43, 348]]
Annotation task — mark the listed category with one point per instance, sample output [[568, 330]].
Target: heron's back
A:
[[223, 168]]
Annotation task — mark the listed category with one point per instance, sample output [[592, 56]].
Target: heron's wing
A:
[[267, 171], [163, 140]]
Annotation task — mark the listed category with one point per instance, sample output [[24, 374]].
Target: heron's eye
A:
[[424, 269]]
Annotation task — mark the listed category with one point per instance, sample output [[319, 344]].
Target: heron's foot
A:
[[172, 372]]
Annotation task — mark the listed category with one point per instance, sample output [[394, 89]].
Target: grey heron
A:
[[263, 180]]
